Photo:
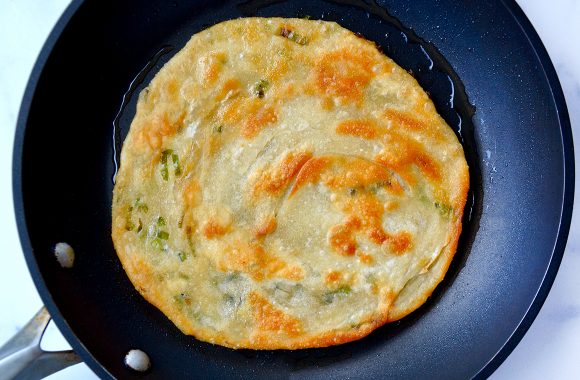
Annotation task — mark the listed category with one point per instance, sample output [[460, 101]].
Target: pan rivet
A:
[[64, 254], [137, 360]]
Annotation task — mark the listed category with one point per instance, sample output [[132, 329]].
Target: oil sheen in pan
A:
[[135, 84], [435, 75]]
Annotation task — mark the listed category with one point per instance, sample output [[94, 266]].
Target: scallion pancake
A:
[[286, 185]]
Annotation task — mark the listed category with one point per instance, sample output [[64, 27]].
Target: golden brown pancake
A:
[[285, 185]]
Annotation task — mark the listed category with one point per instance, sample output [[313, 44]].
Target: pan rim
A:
[[494, 362], [549, 70]]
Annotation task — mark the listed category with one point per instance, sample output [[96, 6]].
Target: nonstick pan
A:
[[490, 78]]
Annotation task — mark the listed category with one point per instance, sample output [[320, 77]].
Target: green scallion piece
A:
[[158, 244], [182, 256], [261, 87], [139, 205], [293, 36], [233, 276], [163, 235], [444, 210], [176, 165], [169, 157], [129, 226], [164, 172], [165, 154], [329, 297]]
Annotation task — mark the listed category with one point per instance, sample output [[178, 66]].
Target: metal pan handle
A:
[[22, 358]]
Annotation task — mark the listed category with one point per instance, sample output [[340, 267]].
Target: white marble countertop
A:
[[548, 350]]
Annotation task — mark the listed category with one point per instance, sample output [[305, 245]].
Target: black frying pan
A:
[[489, 77]]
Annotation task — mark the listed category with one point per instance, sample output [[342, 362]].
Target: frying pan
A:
[[490, 78]]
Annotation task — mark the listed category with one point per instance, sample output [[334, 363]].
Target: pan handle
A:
[[22, 358]]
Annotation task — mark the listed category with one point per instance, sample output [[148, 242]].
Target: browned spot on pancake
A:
[[264, 265], [427, 165], [191, 193], [310, 172], [172, 87], [327, 103], [342, 241], [274, 65], [237, 259], [213, 229], [340, 172], [365, 129], [353, 173], [405, 120], [365, 258], [269, 318], [251, 113], [230, 87], [391, 205], [416, 120], [233, 111], [257, 121], [365, 212], [157, 128], [259, 264], [333, 277], [368, 207], [344, 74], [341, 236], [353, 222], [292, 273], [377, 235], [212, 66], [400, 242], [276, 180], [403, 152], [266, 227], [251, 32]]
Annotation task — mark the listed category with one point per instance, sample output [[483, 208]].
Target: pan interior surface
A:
[[515, 226]]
